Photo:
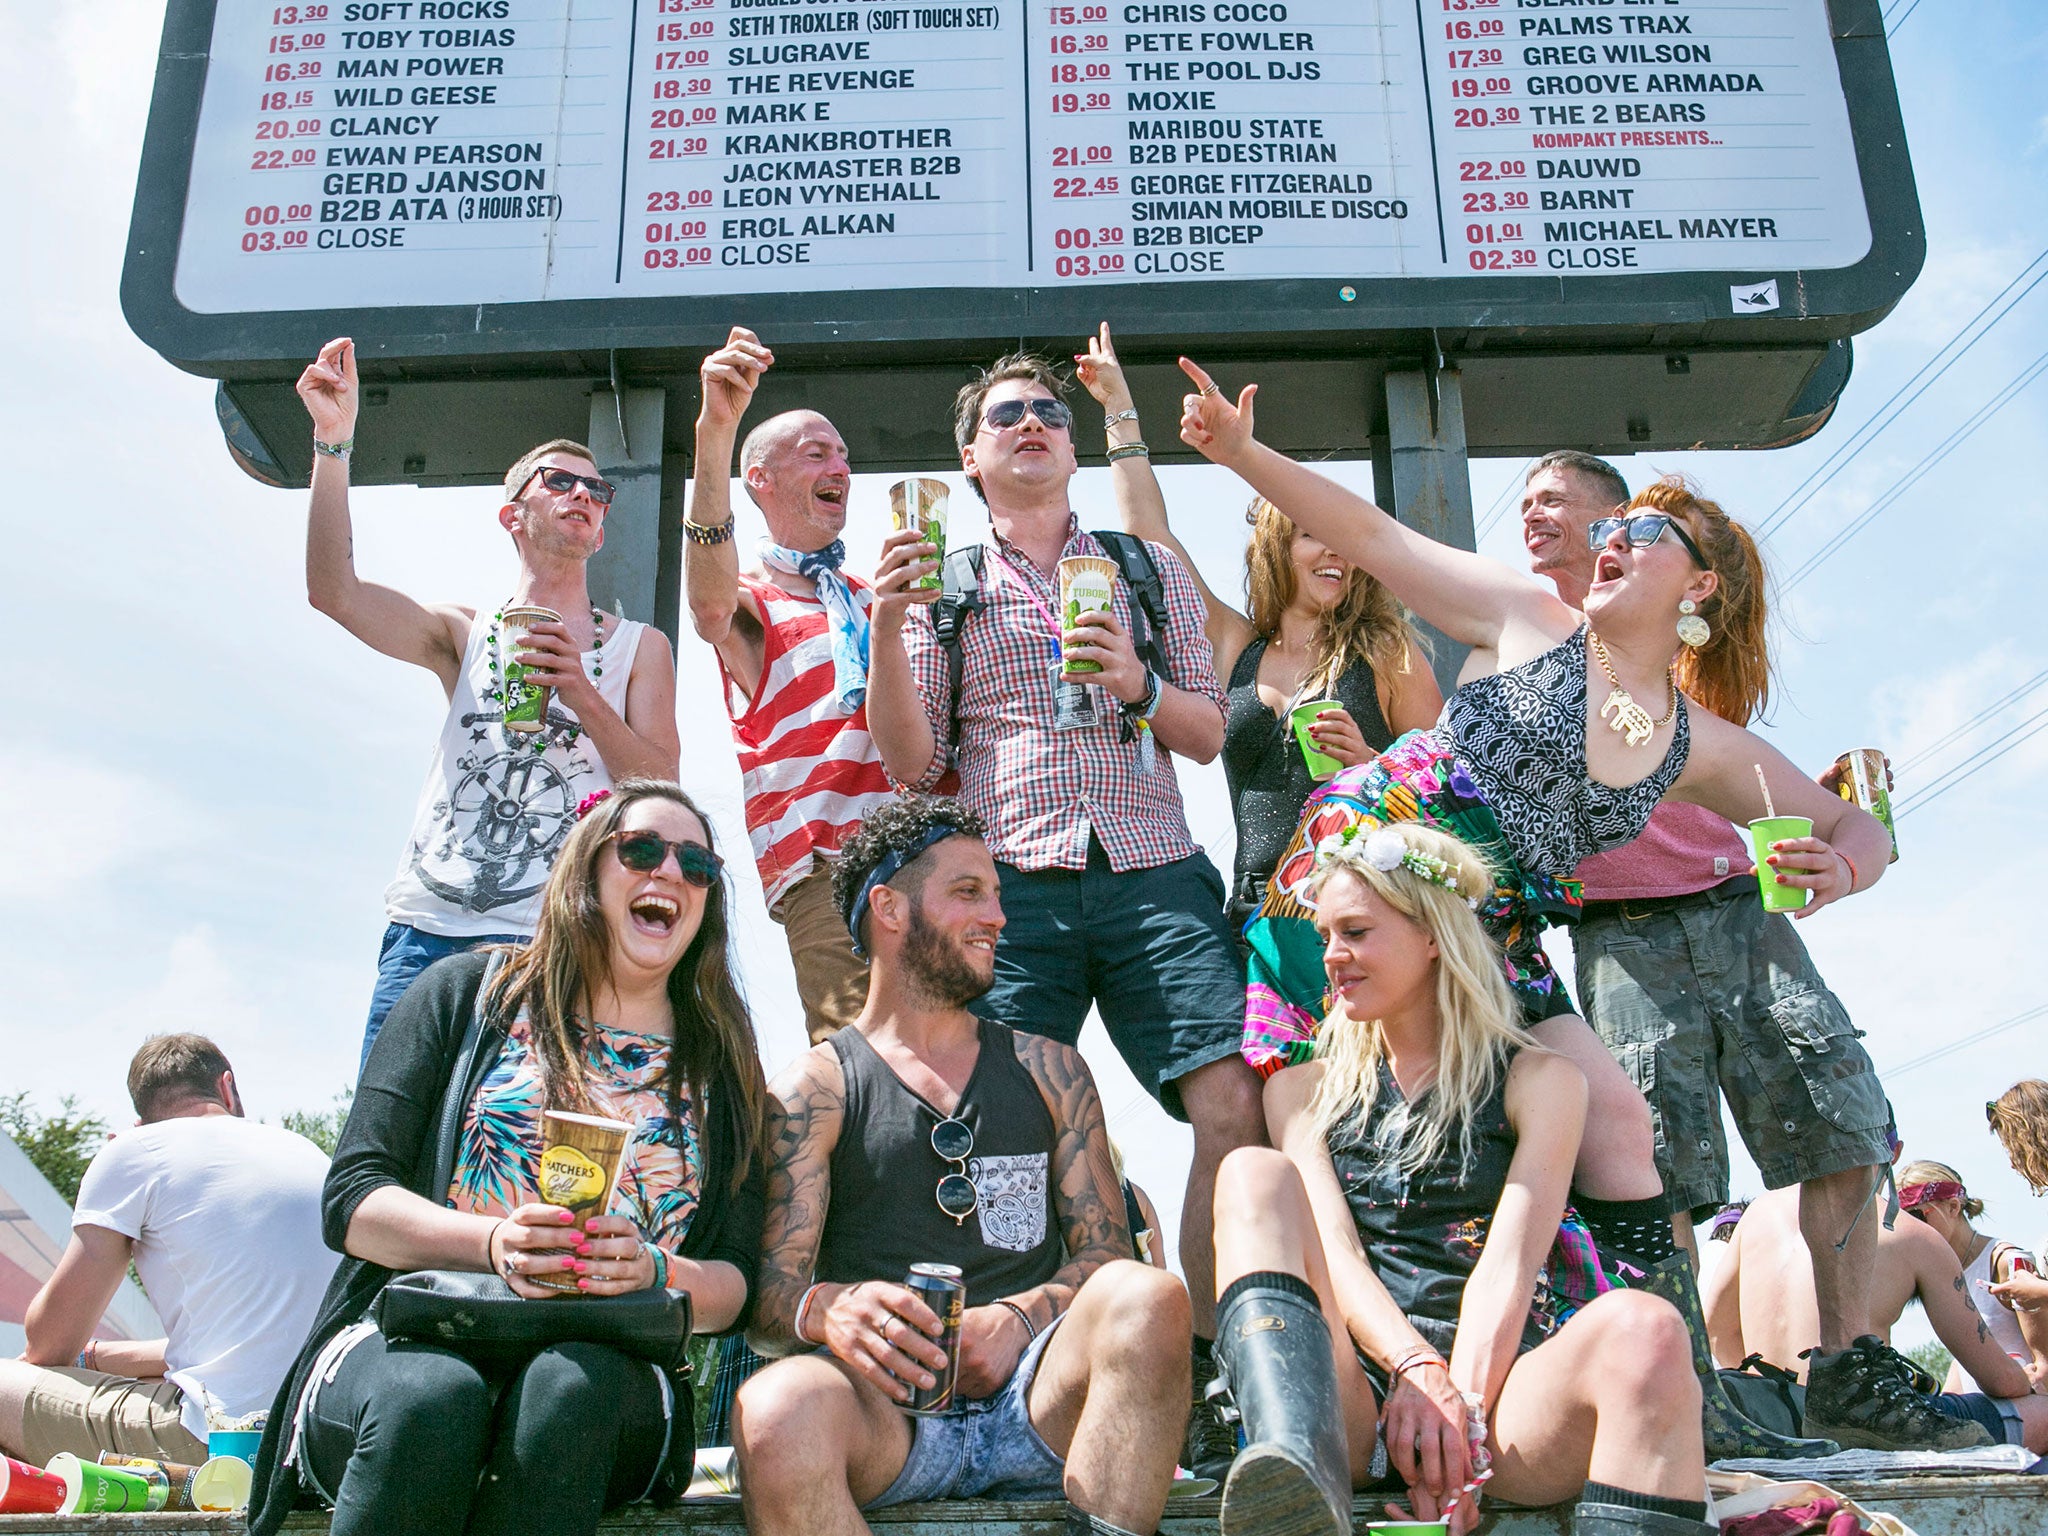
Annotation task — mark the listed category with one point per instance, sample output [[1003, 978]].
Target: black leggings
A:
[[415, 1439]]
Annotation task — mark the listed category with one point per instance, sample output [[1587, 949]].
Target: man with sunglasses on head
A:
[[497, 803], [926, 1135], [791, 636], [1109, 899], [1702, 994]]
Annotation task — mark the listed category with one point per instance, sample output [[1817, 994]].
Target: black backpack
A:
[[960, 596]]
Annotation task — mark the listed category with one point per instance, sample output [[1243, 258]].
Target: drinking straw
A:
[[1764, 784]]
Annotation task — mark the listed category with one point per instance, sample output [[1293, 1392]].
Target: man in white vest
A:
[[497, 802]]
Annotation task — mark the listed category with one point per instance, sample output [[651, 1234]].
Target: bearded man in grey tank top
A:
[[922, 1134], [498, 802]]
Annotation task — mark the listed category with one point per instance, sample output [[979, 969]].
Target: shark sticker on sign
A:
[[1754, 298]]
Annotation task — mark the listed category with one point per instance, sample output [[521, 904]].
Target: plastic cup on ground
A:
[[526, 705], [919, 503], [1411, 1527], [1763, 833], [579, 1168], [27, 1490], [234, 1442], [90, 1488], [223, 1484], [1086, 582], [1321, 766]]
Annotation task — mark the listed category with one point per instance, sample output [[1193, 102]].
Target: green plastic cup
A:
[[93, 1489], [1411, 1527], [1776, 829], [1321, 765]]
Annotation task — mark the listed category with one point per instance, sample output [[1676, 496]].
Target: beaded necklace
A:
[[572, 734]]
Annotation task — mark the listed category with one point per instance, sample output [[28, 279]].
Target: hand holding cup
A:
[[907, 558]]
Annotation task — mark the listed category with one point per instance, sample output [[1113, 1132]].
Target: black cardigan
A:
[[389, 1139]]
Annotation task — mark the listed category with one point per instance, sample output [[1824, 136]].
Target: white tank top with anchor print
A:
[[494, 810]]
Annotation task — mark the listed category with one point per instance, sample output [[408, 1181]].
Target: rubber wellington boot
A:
[[1619, 1520], [1728, 1432], [1293, 1477]]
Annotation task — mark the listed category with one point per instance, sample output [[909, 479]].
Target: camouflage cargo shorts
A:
[[1706, 996]]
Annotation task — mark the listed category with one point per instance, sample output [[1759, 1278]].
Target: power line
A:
[[1500, 505], [1973, 722], [1872, 427], [1896, 17], [1919, 471], [1928, 1057], [2019, 735]]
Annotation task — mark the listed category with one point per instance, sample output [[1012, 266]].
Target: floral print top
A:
[[497, 1163]]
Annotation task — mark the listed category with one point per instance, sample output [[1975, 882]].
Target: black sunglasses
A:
[[645, 852], [953, 1140], [1644, 529], [563, 481], [1053, 413]]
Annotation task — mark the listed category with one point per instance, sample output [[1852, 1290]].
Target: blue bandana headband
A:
[[890, 865]]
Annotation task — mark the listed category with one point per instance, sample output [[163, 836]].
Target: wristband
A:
[[803, 1309], [1129, 451], [718, 533], [1030, 1328], [88, 1357], [490, 1242], [660, 1268], [338, 450], [1109, 422], [1412, 1359], [1852, 868]]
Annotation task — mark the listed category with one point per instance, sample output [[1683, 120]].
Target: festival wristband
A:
[[1853, 877], [803, 1309], [1030, 1328]]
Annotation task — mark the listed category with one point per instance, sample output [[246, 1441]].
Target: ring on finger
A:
[[1212, 389]]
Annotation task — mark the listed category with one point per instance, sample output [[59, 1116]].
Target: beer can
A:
[[940, 1287], [176, 1479], [1865, 781]]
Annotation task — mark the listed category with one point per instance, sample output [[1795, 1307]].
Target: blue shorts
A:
[[982, 1449], [1150, 948], [2001, 1421], [405, 952]]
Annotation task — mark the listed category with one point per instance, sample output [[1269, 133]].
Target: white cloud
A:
[[77, 820]]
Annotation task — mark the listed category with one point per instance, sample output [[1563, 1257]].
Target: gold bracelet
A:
[[697, 533]]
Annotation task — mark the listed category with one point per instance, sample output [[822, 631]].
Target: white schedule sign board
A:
[[391, 153]]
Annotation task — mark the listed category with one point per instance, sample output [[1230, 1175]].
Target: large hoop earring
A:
[[1692, 629]]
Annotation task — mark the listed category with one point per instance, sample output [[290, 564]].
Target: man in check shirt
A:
[[1108, 899]]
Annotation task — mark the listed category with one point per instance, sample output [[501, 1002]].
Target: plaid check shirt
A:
[[1041, 791]]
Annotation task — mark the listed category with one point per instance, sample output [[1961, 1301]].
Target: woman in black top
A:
[[1317, 627], [623, 1005], [1409, 1214]]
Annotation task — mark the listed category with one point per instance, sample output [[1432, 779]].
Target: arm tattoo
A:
[[1086, 1196], [805, 1106]]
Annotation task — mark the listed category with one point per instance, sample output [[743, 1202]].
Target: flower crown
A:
[[1386, 850]]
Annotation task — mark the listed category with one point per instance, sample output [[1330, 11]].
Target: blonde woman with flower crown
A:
[[1385, 1302]]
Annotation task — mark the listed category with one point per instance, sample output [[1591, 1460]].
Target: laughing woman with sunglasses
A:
[[1567, 731], [623, 1005]]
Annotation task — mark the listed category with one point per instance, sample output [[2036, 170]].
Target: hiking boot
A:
[[1210, 1444], [1729, 1433], [1861, 1398]]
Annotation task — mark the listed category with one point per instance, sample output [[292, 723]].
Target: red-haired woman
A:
[[1568, 733]]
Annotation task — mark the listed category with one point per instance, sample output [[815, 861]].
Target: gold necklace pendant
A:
[[1622, 713]]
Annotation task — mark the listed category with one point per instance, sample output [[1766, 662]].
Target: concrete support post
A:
[[1432, 481], [625, 576]]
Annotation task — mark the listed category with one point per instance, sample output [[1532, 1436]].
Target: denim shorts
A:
[[2001, 1421], [1706, 996], [1150, 948], [403, 954], [982, 1449]]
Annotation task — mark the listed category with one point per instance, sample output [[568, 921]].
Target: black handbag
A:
[[482, 1319]]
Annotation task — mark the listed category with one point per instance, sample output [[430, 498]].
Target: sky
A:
[[212, 782]]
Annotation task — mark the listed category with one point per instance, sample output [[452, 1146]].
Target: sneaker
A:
[[1211, 1444], [1860, 1398]]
